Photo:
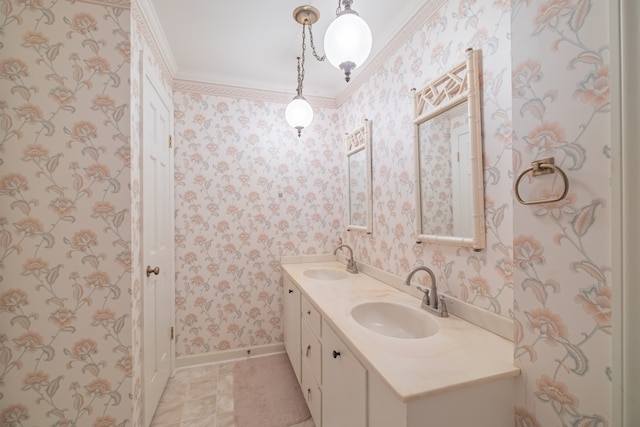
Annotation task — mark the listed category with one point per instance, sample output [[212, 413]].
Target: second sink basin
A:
[[394, 320], [325, 274]]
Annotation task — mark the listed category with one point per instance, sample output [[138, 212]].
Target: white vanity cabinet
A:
[[291, 314], [333, 381], [311, 345], [488, 404], [344, 384], [463, 376]]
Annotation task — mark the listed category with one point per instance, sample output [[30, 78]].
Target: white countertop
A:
[[459, 355]]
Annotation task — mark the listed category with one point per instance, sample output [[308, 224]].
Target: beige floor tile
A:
[[174, 392], [154, 424], [169, 412], [201, 397], [307, 423], [209, 421], [225, 402], [225, 419], [199, 408]]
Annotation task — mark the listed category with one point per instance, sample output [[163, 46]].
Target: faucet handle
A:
[[425, 298], [352, 267], [442, 306]]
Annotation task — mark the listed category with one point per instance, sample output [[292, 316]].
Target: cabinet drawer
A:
[[312, 316], [312, 394], [311, 352]]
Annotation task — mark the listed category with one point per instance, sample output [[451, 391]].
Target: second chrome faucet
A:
[[351, 264], [430, 302]]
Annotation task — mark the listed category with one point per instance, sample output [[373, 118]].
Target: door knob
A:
[[150, 270]]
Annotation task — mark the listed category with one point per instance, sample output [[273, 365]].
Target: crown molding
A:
[[191, 86], [154, 34], [118, 4], [406, 32], [155, 37]]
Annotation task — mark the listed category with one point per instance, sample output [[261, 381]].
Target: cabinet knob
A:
[[308, 349], [290, 291], [336, 354], [309, 312]]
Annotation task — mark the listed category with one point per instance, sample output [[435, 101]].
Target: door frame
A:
[[156, 79], [625, 138]]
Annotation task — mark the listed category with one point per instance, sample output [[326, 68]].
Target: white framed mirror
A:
[[359, 203], [448, 155]]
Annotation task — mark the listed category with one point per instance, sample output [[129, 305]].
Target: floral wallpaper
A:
[[482, 278], [65, 218], [562, 251], [248, 191]]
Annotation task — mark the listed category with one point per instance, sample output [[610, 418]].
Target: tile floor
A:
[[200, 397]]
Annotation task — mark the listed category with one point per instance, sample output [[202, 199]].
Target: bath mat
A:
[[266, 393]]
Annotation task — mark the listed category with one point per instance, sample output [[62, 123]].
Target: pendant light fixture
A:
[[299, 113], [347, 42]]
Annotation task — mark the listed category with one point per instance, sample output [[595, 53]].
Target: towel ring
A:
[[542, 167]]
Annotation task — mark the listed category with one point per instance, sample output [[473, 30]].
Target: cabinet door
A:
[[344, 384], [292, 323]]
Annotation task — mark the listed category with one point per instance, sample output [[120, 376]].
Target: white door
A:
[[157, 241], [461, 181]]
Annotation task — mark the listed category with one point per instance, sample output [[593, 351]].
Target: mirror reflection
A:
[[445, 174], [358, 188], [448, 155], [359, 204]]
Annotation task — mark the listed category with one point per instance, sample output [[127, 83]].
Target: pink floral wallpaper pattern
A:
[[482, 278], [562, 251], [564, 380], [65, 219], [248, 191]]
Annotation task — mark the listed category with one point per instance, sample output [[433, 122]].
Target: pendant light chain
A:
[[313, 47], [301, 63]]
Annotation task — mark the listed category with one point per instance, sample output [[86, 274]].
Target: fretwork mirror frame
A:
[[450, 90]]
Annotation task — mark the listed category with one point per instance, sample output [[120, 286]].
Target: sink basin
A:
[[325, 274], [394, 320]]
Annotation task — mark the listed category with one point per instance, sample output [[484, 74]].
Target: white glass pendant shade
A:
[[347, 42], [299, 113]]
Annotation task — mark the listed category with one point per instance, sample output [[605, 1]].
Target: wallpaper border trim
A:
[[105, 3], [190, 86], [146, 17]]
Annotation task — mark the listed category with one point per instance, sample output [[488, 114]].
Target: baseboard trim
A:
[[228, 355]]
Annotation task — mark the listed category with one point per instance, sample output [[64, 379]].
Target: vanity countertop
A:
[[459, 355]]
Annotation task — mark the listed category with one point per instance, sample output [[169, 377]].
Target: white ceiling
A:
[[254, 43]]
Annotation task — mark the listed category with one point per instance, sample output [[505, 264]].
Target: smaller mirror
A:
[[448, 152], [359, 204]]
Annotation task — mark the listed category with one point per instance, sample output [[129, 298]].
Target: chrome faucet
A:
[[351, 264], [430, 302]]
